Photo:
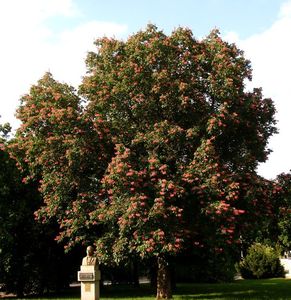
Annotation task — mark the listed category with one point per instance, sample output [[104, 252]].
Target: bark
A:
[[164, 290]]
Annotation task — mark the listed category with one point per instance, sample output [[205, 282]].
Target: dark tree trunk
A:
[[153, 272], [134, 274], [20, 287], [164, 290]]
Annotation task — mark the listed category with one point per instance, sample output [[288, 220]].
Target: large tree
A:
[[161, 158], [188, 137]]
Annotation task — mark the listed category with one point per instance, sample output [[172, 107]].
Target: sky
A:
[[38, 36]]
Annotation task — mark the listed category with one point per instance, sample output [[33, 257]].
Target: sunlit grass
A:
[[241, 289]]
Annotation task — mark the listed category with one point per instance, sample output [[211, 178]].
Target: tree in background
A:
[[284, 219], [162, 157], [17, 204], [30, 260], [273, 207], [276, 229]]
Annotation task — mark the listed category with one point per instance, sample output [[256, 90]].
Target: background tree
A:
[[284, 219], [272, 205], [162, 157], [276, 229], [31, 261], [14, 225]]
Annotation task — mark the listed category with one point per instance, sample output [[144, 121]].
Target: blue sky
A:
[[200, 15], [55, 35], [245, 17]]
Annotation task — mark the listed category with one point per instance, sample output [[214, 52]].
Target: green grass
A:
[[241, 289], [273, 289]]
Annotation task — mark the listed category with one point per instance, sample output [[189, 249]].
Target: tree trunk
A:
[[134, 276], [164, 290]]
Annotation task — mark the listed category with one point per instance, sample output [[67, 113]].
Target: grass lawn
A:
[[240, 289]]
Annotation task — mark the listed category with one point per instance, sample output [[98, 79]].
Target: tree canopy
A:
[[162, 155]]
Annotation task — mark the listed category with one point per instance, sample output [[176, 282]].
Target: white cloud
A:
[[29, 47], [285, 10], [65, 58], [77, 43], [269, 53]]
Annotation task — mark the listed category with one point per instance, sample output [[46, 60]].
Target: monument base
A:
[[90, 291], [90, 279]]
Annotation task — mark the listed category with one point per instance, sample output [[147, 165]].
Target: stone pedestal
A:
[[90, 282], [286, 263]]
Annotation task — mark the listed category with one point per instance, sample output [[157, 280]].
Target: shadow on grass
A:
[[127, 292], [121, 291], [273, 289]]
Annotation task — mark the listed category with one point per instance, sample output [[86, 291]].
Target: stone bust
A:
[[90, 259]]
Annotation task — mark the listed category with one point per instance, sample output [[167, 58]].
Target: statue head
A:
[[90, 250]]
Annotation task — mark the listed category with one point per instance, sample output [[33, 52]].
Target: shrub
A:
[[261, 261]]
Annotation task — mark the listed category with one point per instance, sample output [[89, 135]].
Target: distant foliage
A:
[[283, 215], [261, 262], [31, 262], [206, 266]]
